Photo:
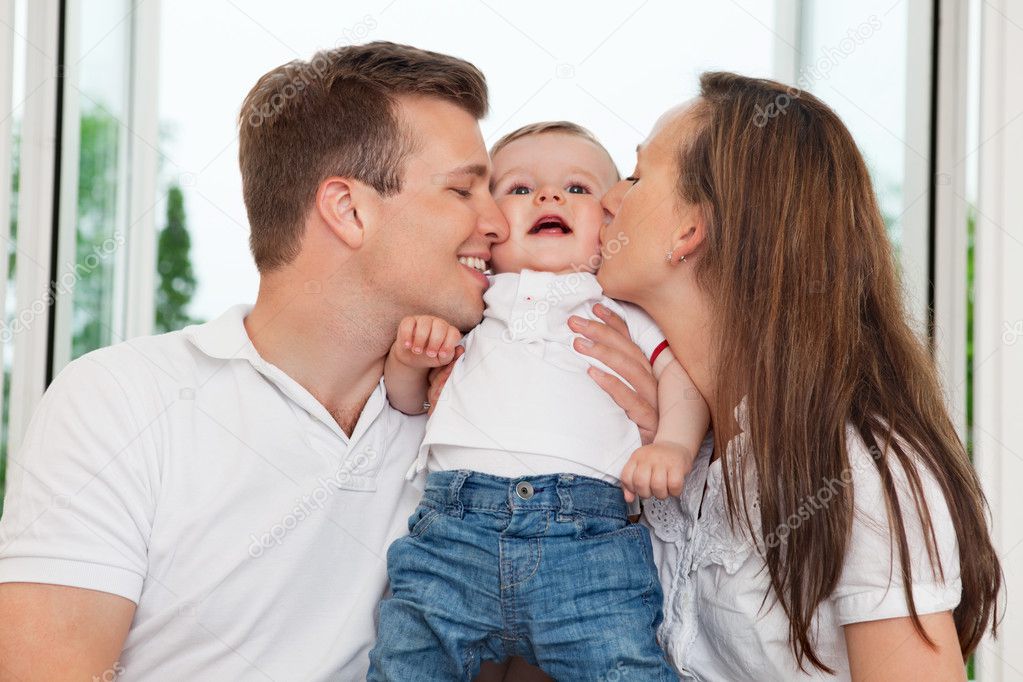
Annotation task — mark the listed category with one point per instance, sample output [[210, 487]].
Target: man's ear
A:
[[337, 202]]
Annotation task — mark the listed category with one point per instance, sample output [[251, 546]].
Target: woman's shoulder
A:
[[868, 461], [872, 584]]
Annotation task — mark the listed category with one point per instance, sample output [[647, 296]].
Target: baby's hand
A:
[[657, 470], [425, 341]]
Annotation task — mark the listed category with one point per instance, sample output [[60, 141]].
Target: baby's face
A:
[[549, 188]]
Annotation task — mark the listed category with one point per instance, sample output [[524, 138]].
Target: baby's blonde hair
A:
[[565, 127]]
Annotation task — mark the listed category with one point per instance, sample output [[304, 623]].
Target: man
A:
[[216, 503]]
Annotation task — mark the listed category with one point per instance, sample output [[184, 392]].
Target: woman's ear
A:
[[690, 233], [336, 205]]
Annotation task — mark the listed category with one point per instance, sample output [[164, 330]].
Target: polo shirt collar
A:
[[564, 291], [225, 338], [534, 306]]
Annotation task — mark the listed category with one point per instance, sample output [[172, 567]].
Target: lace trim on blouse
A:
[[702, 538]]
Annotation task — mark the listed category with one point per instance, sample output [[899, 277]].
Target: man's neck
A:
[[334, 348]]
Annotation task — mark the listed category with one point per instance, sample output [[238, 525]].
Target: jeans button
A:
[[524, 489]]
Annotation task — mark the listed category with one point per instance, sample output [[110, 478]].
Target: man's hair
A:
[[335, 115], [564, 127]]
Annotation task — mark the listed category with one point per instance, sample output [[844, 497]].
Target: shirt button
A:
[[524, 489]]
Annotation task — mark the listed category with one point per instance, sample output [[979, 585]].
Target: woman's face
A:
[[647, 216]]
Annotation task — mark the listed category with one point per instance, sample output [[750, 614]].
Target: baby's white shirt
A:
[[519, 401]]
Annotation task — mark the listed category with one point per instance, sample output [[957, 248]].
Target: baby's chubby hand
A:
[[425, 341], [657, 470]]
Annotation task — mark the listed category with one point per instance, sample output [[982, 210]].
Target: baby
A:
[[521, 545]]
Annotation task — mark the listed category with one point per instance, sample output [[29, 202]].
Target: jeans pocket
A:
[[591, 526], [421, 519]]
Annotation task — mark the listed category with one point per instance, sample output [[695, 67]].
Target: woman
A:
[[833, 525]]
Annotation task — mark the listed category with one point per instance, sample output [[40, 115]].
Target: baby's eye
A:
[[519, 189], [578, 189]]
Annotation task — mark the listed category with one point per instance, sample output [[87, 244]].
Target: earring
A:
[[680, 260]]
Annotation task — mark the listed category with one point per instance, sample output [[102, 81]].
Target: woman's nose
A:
[[545, 194], [612, 200]]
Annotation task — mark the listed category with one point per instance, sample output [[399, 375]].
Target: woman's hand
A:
[[610, 343]]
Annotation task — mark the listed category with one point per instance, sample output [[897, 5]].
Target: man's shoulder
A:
[[142, 370], [177, 356], [160, 353]]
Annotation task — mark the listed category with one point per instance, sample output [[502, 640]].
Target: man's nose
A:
[[492, 224], [551, 194]]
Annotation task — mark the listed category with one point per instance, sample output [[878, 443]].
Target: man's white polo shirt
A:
[[187, 474]]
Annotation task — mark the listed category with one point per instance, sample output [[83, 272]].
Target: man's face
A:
[[431, 241]]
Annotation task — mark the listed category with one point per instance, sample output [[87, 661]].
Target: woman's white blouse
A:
[[714, 579]]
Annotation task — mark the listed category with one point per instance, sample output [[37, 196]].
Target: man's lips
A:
[[476, 265], [550, 225], [474, 262]]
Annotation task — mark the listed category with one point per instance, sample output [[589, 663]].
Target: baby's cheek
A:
[[505, 257], [589, 225]]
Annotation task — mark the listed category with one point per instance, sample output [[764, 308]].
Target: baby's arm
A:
[[684, 415], [422, 343], [659, 469]]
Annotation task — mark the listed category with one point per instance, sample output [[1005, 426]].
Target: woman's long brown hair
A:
[[802, 275]]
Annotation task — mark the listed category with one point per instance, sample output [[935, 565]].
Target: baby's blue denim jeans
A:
[[543, 567]]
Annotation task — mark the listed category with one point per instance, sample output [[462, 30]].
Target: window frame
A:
[[998, 391], [47, 199], [40, 144]]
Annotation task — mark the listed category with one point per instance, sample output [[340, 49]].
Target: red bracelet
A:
[[657, 351]]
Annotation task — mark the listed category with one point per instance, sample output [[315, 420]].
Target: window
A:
[[76, 221], [12, 93], [871, 64], [615, 72], [134, 223], [94, 178]]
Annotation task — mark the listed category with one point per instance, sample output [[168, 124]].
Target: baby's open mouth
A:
[[550, 224]]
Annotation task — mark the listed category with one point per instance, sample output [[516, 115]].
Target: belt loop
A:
[[455, 490], [565, 511]]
